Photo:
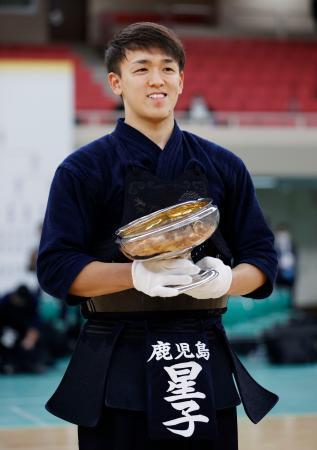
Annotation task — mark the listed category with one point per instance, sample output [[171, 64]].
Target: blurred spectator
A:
[[294, 104], [21, 346], [198, 110], [62, 325], [286, 254]]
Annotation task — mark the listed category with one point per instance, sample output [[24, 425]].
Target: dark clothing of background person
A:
[[21, 348], [287, 258]]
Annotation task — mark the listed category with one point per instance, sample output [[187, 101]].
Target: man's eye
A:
[[169, 69], [143, 69]]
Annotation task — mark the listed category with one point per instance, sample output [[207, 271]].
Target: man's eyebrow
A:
[[146, 61], [169, 60], [140, 61]]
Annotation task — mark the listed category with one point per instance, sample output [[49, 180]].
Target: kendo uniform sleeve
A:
[[252, 240], [67, 230], [242, 223]]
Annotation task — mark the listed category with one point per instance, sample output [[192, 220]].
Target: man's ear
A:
[[114, 81], [181, 82]]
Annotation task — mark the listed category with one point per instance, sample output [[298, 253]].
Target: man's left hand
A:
[[218, 286]]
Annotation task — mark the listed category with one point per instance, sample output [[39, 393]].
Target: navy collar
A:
[[123, 131], [141, 150]]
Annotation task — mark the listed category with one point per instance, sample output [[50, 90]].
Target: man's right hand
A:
[[157, 278]]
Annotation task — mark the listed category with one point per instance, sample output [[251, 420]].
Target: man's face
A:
[[150, 83]]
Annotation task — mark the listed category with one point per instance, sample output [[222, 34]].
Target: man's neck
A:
[[158, 132]]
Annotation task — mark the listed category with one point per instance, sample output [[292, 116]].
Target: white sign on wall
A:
[[36, 134]]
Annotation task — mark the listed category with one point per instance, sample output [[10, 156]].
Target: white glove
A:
[[153, 277], [216, 287]]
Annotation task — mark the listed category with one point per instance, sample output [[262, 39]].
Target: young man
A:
[[152, 367]]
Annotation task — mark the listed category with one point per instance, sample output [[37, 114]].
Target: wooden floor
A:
[[278, 433]]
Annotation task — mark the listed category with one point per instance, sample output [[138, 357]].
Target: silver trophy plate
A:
[[172, 232]]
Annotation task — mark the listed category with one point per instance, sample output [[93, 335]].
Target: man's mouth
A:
[[157, 95]]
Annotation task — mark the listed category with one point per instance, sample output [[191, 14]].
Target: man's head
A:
[[143, 36], [145, 63]]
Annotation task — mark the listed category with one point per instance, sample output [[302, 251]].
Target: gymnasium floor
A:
[[24, 423]]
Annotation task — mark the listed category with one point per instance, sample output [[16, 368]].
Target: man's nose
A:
[[155, 78]]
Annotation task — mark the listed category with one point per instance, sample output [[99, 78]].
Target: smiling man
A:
[[150, 83], [152, 367]]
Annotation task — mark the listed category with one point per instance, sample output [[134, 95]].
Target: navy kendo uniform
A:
[[110, 382]]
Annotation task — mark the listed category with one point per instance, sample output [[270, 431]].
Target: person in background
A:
[[287, 259], [199, 110], [21, 346]]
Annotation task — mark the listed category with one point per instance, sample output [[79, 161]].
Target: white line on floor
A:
[[26, 415]]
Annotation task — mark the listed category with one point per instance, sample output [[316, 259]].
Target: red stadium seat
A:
[[232, 74]]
